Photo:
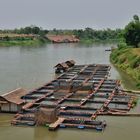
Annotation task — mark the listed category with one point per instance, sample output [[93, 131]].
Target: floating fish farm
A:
[[75, 99]]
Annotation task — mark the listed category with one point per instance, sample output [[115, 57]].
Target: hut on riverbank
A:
[[12, 102]]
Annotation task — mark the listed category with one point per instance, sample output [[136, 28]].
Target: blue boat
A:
[[99, 128], [62, 126], [81, 126], [31, 123]]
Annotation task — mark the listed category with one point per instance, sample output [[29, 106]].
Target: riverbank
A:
[[128, 60], [34, 42], [37, 42], [91, 41]]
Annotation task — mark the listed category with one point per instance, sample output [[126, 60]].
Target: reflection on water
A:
[[41, 133], [30, 67]]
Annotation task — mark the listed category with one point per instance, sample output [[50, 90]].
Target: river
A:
[[31, 67]]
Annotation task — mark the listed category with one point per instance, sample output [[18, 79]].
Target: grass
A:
[[128, 60], [34, 42]]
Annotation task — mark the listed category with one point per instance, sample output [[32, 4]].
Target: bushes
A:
[[122, 59], [34, 42], [135, 101], [118, 57], [128, 60], [135, 62], [138, 85], [138, 75], [122, 45]]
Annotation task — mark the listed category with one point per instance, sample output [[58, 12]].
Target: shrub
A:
[[135, 101], [138, 85], [138, 76], [122, 59], [122, 45], [135, 62]]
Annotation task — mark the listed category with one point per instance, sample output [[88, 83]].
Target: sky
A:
[[67, 14]]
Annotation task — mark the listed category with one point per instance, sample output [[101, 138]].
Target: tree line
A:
[[91, 34], [130, 34], [27, 30], [82, 34]]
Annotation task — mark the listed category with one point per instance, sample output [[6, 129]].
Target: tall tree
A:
[[132, 32]]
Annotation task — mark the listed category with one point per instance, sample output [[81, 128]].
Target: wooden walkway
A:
[[90, 95], [55, 125], [105, 104]]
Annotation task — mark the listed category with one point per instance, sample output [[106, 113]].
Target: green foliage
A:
[[135, 62], [136, 18], [132, 32], [138, 85], [34, 42], [6, 38], [27, 30], [91, 35], [128, 60], [138, 75], [86, 35], [122, 59], [96, 35], [122, 45], [135, 101]]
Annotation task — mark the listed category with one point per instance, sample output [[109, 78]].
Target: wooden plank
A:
[[54, 125]]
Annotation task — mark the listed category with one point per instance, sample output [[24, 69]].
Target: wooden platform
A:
[[55, 125], [82, 93]]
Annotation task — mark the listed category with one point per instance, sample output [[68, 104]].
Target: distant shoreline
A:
[[37, 42], [34, 42]]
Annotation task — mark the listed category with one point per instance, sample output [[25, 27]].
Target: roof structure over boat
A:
[[71, 61], [64, 65]]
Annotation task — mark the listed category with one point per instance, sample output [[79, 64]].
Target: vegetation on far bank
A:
[[87, 35], [28, 36], [34, 42]]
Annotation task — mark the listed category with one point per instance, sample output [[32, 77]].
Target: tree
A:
[[132, 32], [27, 30], [35, 30], [6, 38]]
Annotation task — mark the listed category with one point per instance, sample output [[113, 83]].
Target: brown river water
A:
[[31, 67]]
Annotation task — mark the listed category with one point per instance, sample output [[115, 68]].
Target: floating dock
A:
[[80, 95]]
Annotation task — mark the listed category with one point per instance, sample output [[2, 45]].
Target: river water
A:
[[31, 67]]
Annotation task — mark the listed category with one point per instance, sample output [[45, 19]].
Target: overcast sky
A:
[[62, 14]]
